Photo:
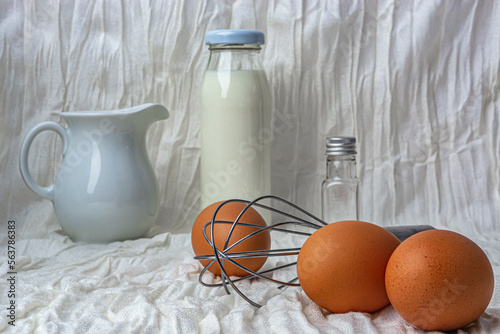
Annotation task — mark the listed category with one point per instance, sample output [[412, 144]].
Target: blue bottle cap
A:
[[236, 36]]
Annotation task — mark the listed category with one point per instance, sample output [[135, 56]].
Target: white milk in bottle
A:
[[235, 119]]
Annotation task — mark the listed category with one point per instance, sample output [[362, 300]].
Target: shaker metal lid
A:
[[234, 36], [340, 145]]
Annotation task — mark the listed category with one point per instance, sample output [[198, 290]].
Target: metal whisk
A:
[[220, 256]]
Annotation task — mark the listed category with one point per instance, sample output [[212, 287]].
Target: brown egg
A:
[[229, 212], [341, 266], [439, 280]]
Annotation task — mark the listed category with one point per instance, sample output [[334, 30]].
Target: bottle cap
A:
[[340, 146], [234, 36]]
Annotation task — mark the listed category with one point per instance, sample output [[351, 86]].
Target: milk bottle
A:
[[235, 119]]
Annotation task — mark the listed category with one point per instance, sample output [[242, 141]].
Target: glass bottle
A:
[[235, 118], [339, 198]]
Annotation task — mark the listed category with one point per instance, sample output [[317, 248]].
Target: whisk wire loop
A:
[[221, 257]]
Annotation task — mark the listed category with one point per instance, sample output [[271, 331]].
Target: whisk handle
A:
[[404, 232]]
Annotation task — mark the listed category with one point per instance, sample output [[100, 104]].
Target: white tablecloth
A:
[[151, 285]]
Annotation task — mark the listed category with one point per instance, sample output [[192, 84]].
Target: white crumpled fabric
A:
[[417, 82]]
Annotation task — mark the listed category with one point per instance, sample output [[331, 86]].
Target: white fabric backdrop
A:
[[417, 82]]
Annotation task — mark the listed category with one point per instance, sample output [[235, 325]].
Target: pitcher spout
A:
[[149, 113]]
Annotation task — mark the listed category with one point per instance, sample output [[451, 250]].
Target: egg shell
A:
[[229, 212], [439, 280], [341, 266]]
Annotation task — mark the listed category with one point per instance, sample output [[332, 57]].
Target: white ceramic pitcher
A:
[[105, 189]]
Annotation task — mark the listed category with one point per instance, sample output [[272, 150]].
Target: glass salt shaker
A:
[[339, 198], [235, 119]]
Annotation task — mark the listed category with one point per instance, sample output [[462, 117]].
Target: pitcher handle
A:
[[46, 192]]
